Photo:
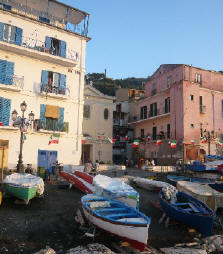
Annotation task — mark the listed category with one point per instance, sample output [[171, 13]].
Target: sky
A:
[[132, 38]]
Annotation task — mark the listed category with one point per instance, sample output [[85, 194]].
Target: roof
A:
[[97, 93]]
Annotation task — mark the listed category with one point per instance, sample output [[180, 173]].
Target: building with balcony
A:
[[42, 62], [123, 114], [181, 103], [97, 126]]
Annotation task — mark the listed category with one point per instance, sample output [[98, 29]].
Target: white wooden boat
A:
[[111, 188], [117, 218], [147, 183]]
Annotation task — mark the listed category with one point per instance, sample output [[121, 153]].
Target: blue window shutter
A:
[[61, 119], [44, 80], [1, 108], [18, 37], [1, 31], [3, 64], [63, 47], [62, 87], [9, 73], [6, 111], [42, 116], [13, 34], [5, 32], [48, 43]]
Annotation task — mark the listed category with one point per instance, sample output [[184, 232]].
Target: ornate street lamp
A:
[[21, 123]]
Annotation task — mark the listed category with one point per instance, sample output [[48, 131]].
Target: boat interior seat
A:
[[111, 210], [181, 204], [194, 208], [128, 215], [188, 209]]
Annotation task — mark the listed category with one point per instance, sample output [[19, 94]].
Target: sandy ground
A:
[[49, 221]]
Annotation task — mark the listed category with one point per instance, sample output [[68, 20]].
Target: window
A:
[[201, 129], [142, 133], [198, 78], [153, 92], [169, 81], [52, 118], [153, 109], [6, 72], [87, 111], [11, 34], [143, 112], [167, 105], [154, 133], [192, 125], [168, 131], [55, 47], [5, 107], [53, 82], [106, 113], [191, 97]]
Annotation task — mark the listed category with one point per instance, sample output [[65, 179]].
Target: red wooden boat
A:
[[78, 182]]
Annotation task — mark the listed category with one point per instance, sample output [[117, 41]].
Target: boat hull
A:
[[135, 233], [85, 176], [24, 193], [79, 183], [203, 224]]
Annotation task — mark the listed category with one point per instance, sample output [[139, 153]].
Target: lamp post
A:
[[21, 122]]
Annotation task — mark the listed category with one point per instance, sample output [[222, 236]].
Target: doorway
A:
[[47, 159], [86, 153]]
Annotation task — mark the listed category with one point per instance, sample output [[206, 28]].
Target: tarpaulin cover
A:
[[202, 192], [113, 188], [26, 180]]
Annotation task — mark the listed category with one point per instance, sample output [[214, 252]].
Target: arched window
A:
[[106, 114]]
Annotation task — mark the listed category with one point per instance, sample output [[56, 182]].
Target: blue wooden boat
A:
[[173, 179], [190, 211], [216, 185], [117, 218]]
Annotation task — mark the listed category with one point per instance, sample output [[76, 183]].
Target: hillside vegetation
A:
[[109, 86]]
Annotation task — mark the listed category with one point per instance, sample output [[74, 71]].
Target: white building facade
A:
[[42, 62]]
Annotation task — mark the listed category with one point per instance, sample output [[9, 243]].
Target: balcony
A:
[[50, 12], [150, 116], [32, 47], [50, 127], [14, 83], [54, 92], [203, 109]]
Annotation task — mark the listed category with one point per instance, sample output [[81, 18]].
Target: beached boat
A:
[[24, 186], [85, 176], [188, 210], [111, 188], [202, 192], [117, 218], [78, 182], [147, 184]]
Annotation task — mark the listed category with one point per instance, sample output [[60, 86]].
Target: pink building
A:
[[181, 103]]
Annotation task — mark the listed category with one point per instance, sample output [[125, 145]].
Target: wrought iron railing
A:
[[51, 125], [25, 10], [15, 81], [51, 89]]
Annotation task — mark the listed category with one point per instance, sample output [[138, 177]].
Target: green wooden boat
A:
[[22, 192]]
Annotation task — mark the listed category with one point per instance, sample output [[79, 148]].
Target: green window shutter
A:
[[61, 119], [5, 108], [3, 65], [1, 31], [42, 116], [48, 43], [18, 37], [9, 73], [44, 80], [62, 87], [63, 47]]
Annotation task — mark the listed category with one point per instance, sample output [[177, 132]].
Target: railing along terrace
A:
[[15, 81], [54, 89], [34, 43], [43, 16]]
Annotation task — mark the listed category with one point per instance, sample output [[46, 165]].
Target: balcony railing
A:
[[64, 23], [51, 90], [203, 109], [51, 126], [14, 82]]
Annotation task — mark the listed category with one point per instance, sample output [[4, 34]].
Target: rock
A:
[[46, 251], [178, 250], [95, 248]]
